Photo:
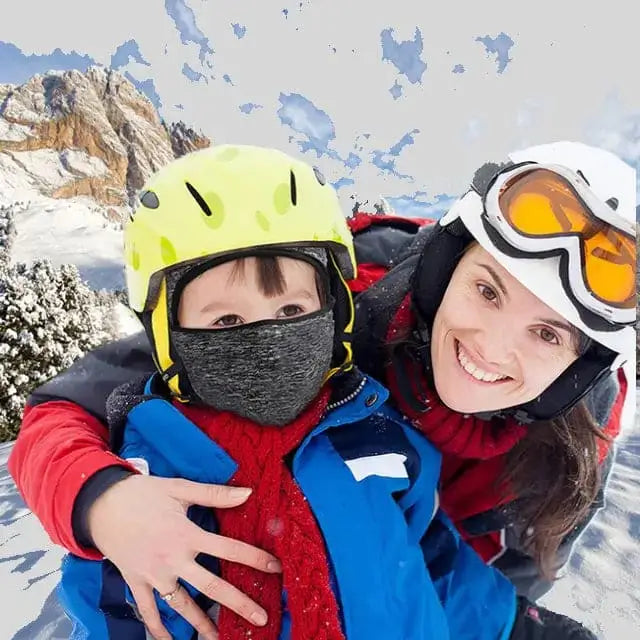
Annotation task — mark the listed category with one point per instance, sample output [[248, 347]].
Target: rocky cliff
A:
[[66, 134]]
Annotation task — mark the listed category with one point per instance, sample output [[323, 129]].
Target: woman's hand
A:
[[161, 545]]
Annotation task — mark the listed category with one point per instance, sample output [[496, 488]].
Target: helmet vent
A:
[[613, 203], [199, 199], [294, 191], [149, 199]]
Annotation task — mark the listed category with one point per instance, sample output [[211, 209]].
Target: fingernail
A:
[[240, 492], [274, 566], [259, 618]]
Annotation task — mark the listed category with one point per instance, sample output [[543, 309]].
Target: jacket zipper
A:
[[338, 403]]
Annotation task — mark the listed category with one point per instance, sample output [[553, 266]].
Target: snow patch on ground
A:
[[47, 169], [73, 231], [126, 320], [13, 131]]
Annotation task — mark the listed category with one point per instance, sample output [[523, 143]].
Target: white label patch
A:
[[140, 464], [387, 465]]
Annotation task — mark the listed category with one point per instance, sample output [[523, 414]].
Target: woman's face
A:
[[494, 344]]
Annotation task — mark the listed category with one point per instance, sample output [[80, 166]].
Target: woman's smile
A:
[[474, 370]]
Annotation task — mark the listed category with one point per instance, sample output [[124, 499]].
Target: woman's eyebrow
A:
[[497, 278], [558, 324]]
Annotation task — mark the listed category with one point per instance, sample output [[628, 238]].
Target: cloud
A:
[[405, 56], [458, 69], [416, 205], [314, 125], [17, 68], [248, 107], [126, 52], [385, 160], [227, 78], [147, 87], [239, 30], [193, 75], [342, 182], [500, 46], [396, 90], [185, 21]]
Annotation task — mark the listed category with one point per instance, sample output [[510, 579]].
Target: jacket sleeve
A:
[[479, 602], [59, 448], [537, 623], [89, 381]]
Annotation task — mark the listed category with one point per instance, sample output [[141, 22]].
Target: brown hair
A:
[[271, 280], [555, 474]]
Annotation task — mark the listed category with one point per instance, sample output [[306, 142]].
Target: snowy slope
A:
[[73, 231], [601, 588]]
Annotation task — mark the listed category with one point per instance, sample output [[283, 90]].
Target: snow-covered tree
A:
[[7, 232], [48, 318]]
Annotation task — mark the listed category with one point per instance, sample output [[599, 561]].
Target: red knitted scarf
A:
[[276, 518]]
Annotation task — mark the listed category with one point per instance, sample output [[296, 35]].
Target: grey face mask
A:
[[268, 372]]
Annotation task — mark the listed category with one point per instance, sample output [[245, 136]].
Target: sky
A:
[[402, 100]]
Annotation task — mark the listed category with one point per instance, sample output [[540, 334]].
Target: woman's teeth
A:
[[467, 364]]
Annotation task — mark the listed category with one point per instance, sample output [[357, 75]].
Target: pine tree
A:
[[7, 231], [48, 318]]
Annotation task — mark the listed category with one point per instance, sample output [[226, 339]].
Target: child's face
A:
[[233, 294]]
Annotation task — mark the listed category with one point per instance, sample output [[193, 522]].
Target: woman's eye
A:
[[487, 292], [227, 321], [290, 310], [549, 336]]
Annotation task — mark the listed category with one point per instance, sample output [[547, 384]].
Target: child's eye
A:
[[290, 310], [487, 292], [551, 337], [230, 320]]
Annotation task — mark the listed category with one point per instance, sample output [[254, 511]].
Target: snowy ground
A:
[[73, 231], [601, 588]]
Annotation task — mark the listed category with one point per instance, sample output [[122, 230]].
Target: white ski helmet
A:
[[560, 218]]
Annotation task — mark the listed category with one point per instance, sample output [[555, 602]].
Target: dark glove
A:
[[537, 623]]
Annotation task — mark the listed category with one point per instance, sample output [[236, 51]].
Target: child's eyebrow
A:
[[211, 306], [300, 293]]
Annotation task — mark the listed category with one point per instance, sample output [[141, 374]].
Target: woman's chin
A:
[[461, 399]]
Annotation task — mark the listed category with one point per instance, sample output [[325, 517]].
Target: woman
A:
[[521, 476]]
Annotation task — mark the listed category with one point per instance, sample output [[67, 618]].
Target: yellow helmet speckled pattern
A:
[[222, 199]]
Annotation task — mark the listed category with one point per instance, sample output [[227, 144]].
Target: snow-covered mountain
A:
[[74, 149]]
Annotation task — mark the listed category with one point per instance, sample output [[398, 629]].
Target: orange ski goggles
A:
[[549, 209]]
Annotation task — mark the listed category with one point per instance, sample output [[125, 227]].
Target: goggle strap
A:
[[486, 174]]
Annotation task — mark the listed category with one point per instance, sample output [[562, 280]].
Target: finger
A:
[[225, 594], [183, 603], [234, 551], [148, 610], [219, 496]]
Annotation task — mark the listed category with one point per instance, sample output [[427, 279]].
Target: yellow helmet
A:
[[222, 200]]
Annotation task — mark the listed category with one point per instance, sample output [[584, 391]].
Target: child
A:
[[236, 264]]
